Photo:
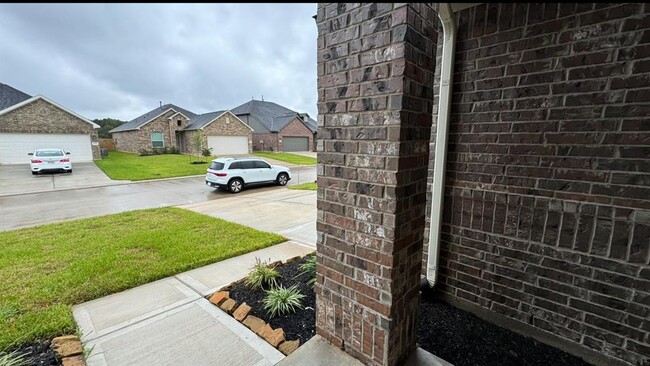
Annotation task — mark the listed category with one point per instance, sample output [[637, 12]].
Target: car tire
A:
[[69, 171], [282, 179], [235, 185], [34, 173]]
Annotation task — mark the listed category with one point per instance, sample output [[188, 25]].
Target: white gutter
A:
[[446, 15]]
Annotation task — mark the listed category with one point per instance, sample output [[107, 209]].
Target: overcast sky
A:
[[121, 60]]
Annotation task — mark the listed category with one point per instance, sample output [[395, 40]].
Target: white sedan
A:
[[50, 160]]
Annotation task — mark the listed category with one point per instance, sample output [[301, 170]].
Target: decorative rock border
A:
[[70, 350], [241, 312]]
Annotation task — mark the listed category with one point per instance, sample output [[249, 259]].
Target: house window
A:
[[157, 139], [179, 123]]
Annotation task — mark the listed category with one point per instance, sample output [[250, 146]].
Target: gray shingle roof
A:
[[273, 117], [11, 96], [201, 120], [139, 121]]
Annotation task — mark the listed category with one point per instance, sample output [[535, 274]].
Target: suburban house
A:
[[172, 126], [28, 123], [276, 127], [496, 154]]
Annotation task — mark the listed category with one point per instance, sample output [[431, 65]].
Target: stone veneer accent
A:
[[375, 87], [41, 116]]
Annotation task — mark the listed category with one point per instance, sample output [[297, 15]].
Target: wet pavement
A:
[[33, 209]]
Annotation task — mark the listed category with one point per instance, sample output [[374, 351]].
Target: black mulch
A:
[[452, 334], [299, 325], [461, 338], [39, 354]]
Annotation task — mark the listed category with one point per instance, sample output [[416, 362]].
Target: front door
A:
[[180, 141]]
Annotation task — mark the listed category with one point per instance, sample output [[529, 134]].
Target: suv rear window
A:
[[215, 165]]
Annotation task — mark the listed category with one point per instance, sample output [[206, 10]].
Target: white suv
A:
[[236, 173]]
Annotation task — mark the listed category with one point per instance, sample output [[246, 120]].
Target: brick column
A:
[[375, 87]]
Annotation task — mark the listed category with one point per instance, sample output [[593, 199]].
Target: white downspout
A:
[[446, 15]]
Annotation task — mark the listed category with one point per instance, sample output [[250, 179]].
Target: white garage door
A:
[[15, 146], [228, 145]]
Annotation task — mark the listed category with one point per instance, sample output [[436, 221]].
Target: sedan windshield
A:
[[46, 153]]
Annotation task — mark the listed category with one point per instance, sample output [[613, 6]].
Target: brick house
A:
[[276, 127], [519, 186], [28, 123], [172, 126]]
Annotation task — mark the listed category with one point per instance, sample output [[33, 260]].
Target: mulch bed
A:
[[299, 325], [39, 354], [454, 335]]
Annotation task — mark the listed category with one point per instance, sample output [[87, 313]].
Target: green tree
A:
[[197, 142], [107, 124]]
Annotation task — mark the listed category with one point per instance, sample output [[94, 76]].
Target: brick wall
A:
[[41, 116], [133, 141], [547, 204], [297, 128], [270, 141], [375, 87], [226, 125]]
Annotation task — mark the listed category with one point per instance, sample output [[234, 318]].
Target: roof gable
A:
[[140, 121], [10, 96], [40, 97], [199, 122]]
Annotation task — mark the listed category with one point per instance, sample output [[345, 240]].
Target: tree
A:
[[107, 124], [197, 142]]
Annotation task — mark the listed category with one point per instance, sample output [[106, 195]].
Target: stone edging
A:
[[275, 337], [70, 350]]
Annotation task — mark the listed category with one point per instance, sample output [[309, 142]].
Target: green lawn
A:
[[121, 165], [46, 269], [309, 186], [287, 157]]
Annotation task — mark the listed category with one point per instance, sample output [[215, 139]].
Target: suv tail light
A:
[[36, 161], [220, 174], [66, 160]]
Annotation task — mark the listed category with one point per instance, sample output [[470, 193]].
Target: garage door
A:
[[15, 146], [228, 145], [295, 143]]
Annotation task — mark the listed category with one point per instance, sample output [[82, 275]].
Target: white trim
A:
[[151, 139], [177, 113], [33, 99], [219, 116]]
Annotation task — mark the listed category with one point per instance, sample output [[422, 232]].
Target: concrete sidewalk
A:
[[169, 322]]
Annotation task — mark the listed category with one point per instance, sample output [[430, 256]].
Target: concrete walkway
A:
[[169, 322]]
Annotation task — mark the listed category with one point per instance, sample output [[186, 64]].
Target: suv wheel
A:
[[235, 185], [282, 180]]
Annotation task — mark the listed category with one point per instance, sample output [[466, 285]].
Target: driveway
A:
[[33, 209], [291, 213], [18, 179]]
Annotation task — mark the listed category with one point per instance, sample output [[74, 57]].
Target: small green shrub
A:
[[13, 359], [281, 300], [260, 275], [144, 152], [174, 150], [206, 151], [309, 267]]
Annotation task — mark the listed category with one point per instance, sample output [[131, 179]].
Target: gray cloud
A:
[[120, 60]]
